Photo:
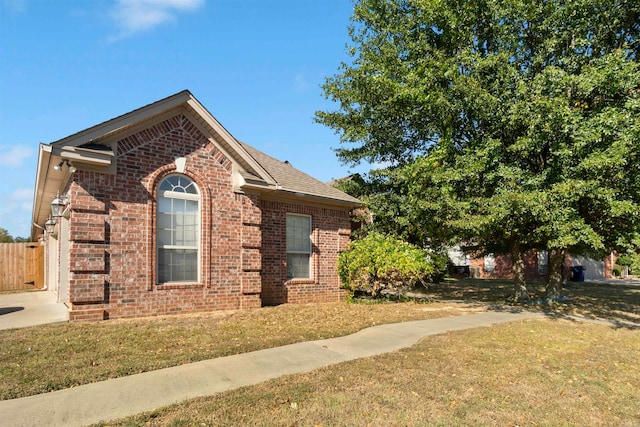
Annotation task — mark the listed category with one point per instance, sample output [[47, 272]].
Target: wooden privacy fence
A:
[[21, 266]]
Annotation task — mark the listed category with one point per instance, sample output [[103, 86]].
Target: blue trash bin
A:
[[577, 273]]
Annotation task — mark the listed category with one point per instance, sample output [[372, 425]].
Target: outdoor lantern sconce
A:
[[57, 206], [50, 225], [58, 167]]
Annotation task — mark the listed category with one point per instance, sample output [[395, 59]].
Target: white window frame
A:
[[168, 194], [299, 252], [543, 262], [489, 263]]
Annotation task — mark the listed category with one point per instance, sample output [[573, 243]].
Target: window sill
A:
[[299, 281], [178, 285]]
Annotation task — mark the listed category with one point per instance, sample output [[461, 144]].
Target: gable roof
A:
[[95, 149]]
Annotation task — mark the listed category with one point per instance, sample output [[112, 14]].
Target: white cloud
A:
[[20, 199], [15, 212], [15, 156], [134, 16]]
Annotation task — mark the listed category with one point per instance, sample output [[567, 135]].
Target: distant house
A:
[[164, 211], [535, 265]]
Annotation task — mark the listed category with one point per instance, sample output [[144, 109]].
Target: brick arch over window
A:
[[204, 237]]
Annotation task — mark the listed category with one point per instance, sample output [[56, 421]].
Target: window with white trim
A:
[[178, 230], [489, 263], [298, 246], [543, 262]]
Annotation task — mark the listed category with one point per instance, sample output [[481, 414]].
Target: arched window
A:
[[178, 230]]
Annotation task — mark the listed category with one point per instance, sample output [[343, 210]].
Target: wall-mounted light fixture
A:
[[50, 225], [57, 206], [59, 166]]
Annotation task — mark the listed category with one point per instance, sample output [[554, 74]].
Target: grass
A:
[[616, 302], [538, 373], [30, 358], [551, 372]]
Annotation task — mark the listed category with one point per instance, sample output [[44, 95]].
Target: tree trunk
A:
[[555, 268], [519, 281]]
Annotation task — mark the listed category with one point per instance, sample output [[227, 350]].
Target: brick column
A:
[[251, 279], [88, 256]]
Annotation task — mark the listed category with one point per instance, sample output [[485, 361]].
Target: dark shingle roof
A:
[[291, 179]]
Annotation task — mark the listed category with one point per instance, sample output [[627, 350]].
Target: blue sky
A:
[[256, 65]]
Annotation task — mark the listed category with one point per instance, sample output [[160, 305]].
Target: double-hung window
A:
[[298, 246], [178, 227]]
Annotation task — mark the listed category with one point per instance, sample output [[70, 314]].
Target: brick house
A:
[[161, 211], [535, 265]]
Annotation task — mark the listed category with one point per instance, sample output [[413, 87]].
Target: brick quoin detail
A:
[[112, 242]]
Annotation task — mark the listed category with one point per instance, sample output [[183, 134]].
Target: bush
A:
[[625, 260], [383, 264], [616, 271], [630, 260]]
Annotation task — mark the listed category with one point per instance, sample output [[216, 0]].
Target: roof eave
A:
[[44, 160], [278, 191], [48, 184], [126, 120]]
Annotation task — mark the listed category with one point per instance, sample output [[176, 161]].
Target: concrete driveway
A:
[[30, 309]]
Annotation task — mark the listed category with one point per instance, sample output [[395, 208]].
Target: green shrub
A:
[[625, 260], [383, 264], [631, 260], [440, 262], [616, 271], [635, 265]]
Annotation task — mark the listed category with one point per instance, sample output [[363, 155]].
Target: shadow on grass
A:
[[610, 321], [616, 303]]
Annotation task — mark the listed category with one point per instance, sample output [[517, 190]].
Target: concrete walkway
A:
[[24, 309], [117, 398], [624, 282]]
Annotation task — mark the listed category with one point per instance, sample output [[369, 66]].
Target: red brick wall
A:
[[112, 230], [112, 257], [503, 267], [330, 235]]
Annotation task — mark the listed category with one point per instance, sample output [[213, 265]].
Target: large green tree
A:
[[508, 124]]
